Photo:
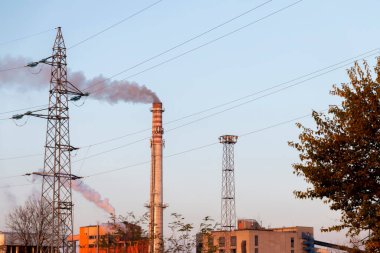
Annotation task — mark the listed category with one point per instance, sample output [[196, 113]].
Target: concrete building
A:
[[9, 243], [107, 238], [250, 237]]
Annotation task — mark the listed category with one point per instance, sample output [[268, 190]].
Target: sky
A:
[[221, 71]]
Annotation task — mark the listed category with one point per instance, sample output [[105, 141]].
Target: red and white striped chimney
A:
[[156, 194]]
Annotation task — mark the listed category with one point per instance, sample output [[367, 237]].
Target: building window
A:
[[244, 246], [256, 250], [233, 241], [292, 242], [92, 237], [292, 251], [256, 240], [210, 240], [91, 245], [222, 242]]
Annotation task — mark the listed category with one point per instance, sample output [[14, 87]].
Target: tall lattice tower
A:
[[56, 184], [228, 211]]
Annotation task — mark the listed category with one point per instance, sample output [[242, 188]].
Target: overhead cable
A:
[[200, 147], [26, 37], [211, 41], [308, 77], [84, 40], [186, 41], [115, 24]]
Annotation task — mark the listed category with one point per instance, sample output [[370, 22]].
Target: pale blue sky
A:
[[309, 36]]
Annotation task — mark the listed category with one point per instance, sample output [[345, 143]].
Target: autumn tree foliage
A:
[[341, 157]]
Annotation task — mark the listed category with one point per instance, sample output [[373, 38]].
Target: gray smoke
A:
[[92, 196], [100, 88], [86, 191]]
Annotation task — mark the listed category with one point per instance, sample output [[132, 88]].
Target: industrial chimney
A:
[[156, 199]]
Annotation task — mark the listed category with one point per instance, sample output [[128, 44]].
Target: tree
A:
[[205, 242], [29, 223], [180, 238], [123, 232], [341, 157]]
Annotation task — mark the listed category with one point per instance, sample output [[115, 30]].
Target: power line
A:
[[312, 74], [214, 40], [116, 24], [191, 39], [196, 148], [19, 185], [277, 85], [2, 178], [9, 69], [201, 147], [166, 51], [26, 37], [23, 109], [86, 39], [185, 42], [110, 150], [226, 103], [18, 39], [19, 157], [222, 111]]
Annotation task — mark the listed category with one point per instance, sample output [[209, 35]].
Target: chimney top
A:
[[157, 106]]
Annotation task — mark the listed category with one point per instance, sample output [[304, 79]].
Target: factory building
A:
[[111, 238], [250, 237], [11, 243]]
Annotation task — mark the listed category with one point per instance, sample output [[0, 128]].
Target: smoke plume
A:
[[99, 87], [87, 192], [92, 195]]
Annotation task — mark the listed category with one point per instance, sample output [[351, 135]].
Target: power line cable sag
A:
[[186, 41], [216, 113], [193, 38], [219, 112], [229, 102], [192, 149], [210, 42], [14, 68], [19, 185], [313, 75], [165, 51], [193, 49], [201, 46], [196, 148], [254, 99], [276, 86], [86, 39], [26, 36], [202, 146], [115, 24], [23, 109]]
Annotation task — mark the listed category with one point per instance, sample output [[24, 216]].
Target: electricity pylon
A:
[[56, 182]]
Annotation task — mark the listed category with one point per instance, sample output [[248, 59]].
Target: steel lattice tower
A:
[[56, 184], [228, 211]]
